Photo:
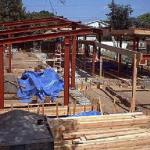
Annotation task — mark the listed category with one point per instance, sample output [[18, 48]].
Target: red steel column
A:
[[10, 58], [66, 70], [73, 64], [93, 61], [1, 78]]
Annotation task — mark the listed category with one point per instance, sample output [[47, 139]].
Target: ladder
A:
[[58, 56]]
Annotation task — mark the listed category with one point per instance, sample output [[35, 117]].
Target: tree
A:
[[38, 15], [119, 16], [11, 10], [144, 20]]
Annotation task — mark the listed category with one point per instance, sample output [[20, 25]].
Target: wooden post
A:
[[101, 66], [119, 58], [84, 108], [10, 59], [12, 107], [38, 109], [100, 56], [43, 108], [93, 60], [57, 114], [1, 78], [28, 108], [134, 80], [92, 105], [68, 110], [74, 107]]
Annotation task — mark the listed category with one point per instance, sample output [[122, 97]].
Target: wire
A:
[[62, 1], [51, 5]]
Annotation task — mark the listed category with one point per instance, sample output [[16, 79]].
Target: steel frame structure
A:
[[77, 29]]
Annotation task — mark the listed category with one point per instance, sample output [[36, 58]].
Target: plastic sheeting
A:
[[40, 84], [87, 113]]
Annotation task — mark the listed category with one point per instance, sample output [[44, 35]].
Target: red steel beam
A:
[[31, 22], [66, 70], [44, 20], [1, 78], [146, 57], [73, 64], [47, 36], [66, 34], [32, 29]]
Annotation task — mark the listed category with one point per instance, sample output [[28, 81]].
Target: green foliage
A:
[[119, 16], [38, 15], [11, 10], [144, 20]]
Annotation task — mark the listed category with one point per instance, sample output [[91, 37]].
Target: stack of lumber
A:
[[107, 132]]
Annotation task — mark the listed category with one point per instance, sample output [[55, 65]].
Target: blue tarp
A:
[[40, 84], [87, 113]]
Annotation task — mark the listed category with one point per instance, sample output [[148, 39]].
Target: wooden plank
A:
[[107, 145], [77, 134], [103, 132], [115, 134], [121, 122]]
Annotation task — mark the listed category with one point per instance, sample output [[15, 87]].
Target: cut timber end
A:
[[115, 132]]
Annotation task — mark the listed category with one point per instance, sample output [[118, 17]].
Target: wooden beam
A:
[[131, 32], [118, 50], [121, 51]]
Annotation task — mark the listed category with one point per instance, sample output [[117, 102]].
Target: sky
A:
[[84, 10]]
